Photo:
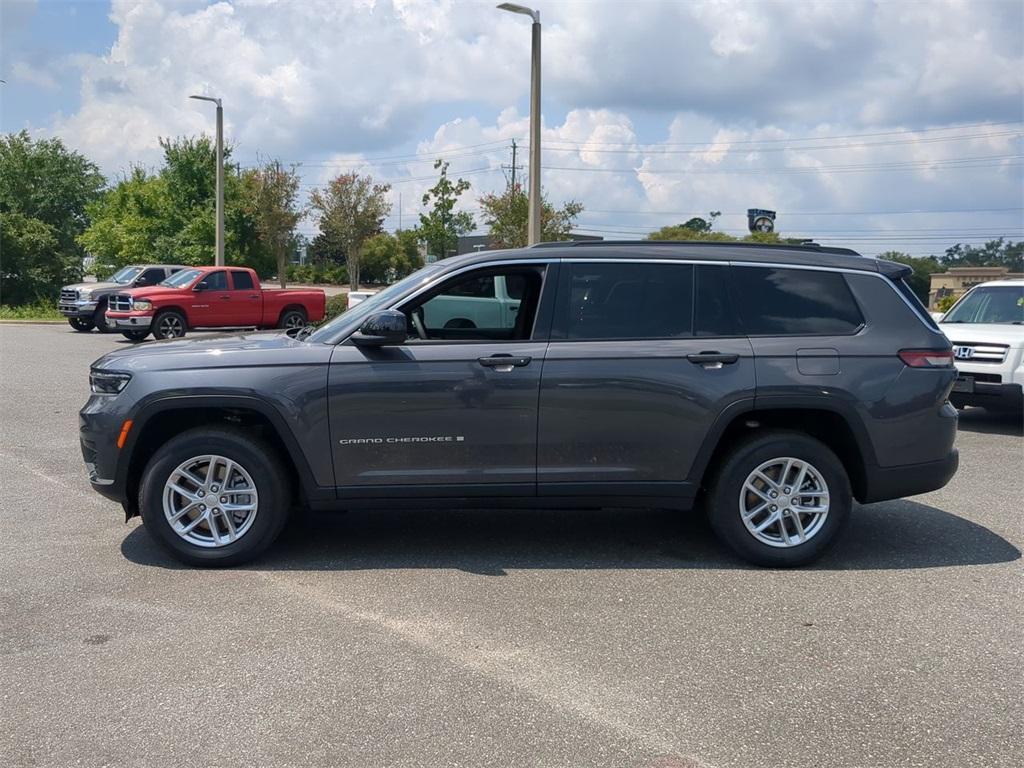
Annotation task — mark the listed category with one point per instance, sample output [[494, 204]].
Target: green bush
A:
[[336, 305], [40, 310], [943, 304]]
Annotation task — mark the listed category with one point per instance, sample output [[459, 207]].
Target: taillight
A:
[[927, 358]]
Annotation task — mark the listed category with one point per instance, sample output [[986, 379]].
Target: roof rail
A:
[[809, 247]]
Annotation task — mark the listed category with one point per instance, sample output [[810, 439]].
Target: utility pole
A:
[[514, 167], [219, 238], [399, 211]]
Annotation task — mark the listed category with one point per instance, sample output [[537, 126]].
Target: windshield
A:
[[991, 304], [179, 279], [125, 275], [351, 318]]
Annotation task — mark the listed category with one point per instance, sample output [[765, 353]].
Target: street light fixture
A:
[[219, 241], [533, 227]]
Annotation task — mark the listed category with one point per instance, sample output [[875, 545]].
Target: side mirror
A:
[[200, 286], [385, 328]]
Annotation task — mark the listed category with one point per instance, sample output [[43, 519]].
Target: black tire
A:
[[80, 325], [169, 324], [99, 319], [724, 498], [135, 335], [291, 319], [261, 462]]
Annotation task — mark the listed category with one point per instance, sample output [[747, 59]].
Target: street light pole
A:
[[533, 225], [219, 239]]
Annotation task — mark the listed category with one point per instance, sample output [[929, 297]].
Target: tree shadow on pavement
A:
[[891, 535]]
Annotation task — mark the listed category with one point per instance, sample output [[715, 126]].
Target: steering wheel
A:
[[417, 323]]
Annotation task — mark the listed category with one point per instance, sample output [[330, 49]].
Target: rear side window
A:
[[242, 281], [599, 301], [715, 310], [802, 302]]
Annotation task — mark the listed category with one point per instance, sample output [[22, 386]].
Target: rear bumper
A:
[[910, 479], [1003, 397]]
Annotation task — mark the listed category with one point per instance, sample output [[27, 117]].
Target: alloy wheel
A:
[[210, 501], [784, 502], [171, 327]]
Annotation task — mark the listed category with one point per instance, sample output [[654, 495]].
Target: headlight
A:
[[142, 304], [108, 382], [84, 295]]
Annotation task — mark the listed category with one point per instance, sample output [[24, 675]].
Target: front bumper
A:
[[126, 322], [1000, 397], [77, 308], [99, 425], [883, 483]]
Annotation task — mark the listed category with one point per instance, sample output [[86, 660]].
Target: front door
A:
[[453, 412], [211, 301], [635, 376]]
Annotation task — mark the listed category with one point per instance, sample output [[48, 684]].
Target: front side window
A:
[[1002, 304], [607, 300], [216, 281], [468, 307], [151, 276], [803, 302]]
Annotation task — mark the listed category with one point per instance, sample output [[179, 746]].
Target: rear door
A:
[[635, 376], [245, 305]]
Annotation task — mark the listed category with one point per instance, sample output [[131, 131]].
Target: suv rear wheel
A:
[[780, 499], [214, 497]]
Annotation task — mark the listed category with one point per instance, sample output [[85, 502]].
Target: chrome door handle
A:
[[504, 363]]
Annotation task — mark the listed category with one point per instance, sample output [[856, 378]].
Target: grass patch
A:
[[38, 311]]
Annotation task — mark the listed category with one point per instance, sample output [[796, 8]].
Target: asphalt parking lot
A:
[[512, 638]]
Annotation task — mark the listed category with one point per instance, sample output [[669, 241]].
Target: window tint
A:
[[715, 314], [216, 281], [152, 276], [779, 302], [241, 280], [624, 301]]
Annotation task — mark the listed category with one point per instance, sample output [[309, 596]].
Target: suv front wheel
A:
[[780, 499], [214, 497]]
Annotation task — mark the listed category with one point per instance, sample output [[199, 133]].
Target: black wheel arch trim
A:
[[754, 405], [152, 406]]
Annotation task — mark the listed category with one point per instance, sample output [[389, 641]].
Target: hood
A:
[[93, 287], [154, 291], [224, 351], [995, 333]]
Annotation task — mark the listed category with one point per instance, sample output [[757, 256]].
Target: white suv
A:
[[986, 327]]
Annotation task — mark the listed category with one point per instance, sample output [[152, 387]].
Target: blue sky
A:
[[874, 125]]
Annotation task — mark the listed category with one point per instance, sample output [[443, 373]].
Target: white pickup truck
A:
[[986, 328]]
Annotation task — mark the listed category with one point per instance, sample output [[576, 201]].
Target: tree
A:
[[272, 194], [507, 216], [45, 191], [386, 258], [169, 215], [441, 227], [351, 209], [994, 253], [920, 280]]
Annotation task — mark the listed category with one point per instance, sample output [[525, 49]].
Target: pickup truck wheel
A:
[[214, 496], [780, 499], [293, 318], [135, 335], [99, 319], [169, 325], [80, 325]]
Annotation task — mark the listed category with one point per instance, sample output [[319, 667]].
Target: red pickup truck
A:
[[210, 297]]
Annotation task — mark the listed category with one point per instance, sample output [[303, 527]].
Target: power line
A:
[[811, 213]]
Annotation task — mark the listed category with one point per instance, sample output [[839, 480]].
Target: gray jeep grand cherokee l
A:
[[772, 384]]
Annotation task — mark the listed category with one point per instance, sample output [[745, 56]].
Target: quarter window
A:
[[598, 301], [785, 302]]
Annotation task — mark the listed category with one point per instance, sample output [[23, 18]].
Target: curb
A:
[[31, 322]]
